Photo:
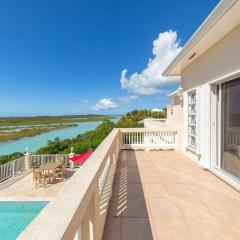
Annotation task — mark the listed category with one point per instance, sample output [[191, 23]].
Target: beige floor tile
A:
[[128, 169], [144, 163], [152, 178], [130, 190], [135, 207], [206, 229], [164, 208], [173, 229], [127, 178], [127, 163], [127, 155], [147, 169], [112, 230], [115, 207], [135, 190], [192, 208], [232, 223], [176, 196], [220, 209], [155, 190], [215, 195], [181, 190], [136, 229]]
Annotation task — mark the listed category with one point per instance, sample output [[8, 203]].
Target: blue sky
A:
[[68, 56]]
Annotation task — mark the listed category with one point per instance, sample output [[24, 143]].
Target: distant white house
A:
[[174, 114], [209, 66], [156, 110], [175, 110]]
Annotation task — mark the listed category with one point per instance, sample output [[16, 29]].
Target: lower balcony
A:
[[138, 186]]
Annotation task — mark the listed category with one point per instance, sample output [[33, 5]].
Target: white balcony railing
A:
[[18, 166], [11, 169], [79, 209], [144, 138], [46, 158]]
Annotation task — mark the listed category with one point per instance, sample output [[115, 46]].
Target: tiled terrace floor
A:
[[24, 189], [163, 195]]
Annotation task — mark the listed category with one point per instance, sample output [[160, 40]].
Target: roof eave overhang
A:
[[226, 14]]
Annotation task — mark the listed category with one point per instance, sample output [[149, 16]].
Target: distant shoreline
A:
[[45, 120], [30, 132]]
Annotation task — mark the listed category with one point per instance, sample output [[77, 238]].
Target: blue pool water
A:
[[15, 216]]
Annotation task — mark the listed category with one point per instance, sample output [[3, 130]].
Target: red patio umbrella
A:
[[81, 158]]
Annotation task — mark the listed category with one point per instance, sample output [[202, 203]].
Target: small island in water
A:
[[14, 128]]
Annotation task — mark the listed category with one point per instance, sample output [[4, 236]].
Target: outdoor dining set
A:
[[50, 172], [55, 170]]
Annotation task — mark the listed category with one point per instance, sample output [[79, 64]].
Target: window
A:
[[192, 136], [229, 93]]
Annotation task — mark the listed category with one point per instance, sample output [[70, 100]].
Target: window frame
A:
[[192, 119]]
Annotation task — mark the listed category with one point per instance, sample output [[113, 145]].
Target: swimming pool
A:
[[15, 216]]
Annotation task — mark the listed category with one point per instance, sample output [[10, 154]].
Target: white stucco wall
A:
[[176, 100], [175, 116], [220, 60]]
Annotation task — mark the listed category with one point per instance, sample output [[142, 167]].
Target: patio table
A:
[[50, 166], [49, 169]]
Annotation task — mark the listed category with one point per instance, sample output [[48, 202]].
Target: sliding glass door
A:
[[229, 126]]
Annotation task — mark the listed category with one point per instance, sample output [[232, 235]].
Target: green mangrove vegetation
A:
[[91, 139], [30, 132], [8, 158]]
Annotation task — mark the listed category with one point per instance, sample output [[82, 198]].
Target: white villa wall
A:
[[176, 100], [175, 116], [219, 61]]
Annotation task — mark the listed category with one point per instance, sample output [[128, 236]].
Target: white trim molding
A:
[[204, 120]]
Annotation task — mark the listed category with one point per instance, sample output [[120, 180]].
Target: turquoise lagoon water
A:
[[34, 143], [16, 216]]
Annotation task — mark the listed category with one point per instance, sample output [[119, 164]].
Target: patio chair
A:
[[59, 160], [64, 169], [40, 177], [34, 166], [59, 172]]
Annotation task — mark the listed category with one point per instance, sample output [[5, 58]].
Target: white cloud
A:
[[104, 104], [128, 99], [149, 81]]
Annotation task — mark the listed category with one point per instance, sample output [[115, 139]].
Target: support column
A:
[[178, 140], [78, 235], [91, 222], [96, 219], [27, 157], [70, 155]]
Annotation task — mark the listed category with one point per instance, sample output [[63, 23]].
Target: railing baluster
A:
[[149, 138]]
